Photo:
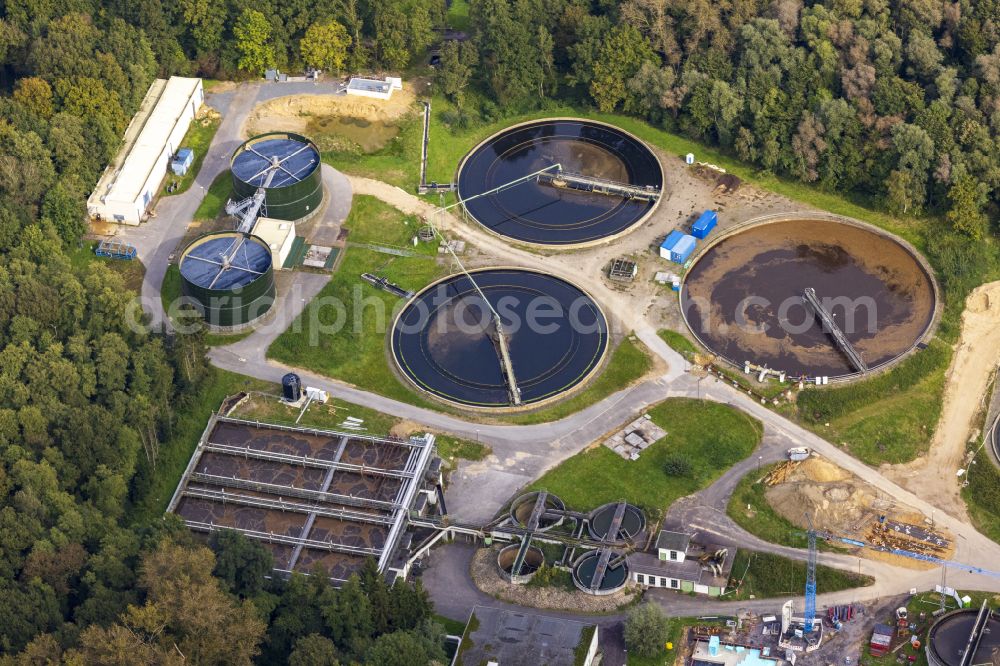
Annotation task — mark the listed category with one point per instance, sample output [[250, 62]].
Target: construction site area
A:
[[839, 503]]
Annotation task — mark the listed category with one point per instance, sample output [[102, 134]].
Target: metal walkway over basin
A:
[[579, 182], [831, 328]]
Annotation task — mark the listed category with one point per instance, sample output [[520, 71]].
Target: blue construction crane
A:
[[810, 617], [911, 554], [812, 534]]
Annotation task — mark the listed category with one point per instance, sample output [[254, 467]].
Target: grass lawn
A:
[[215, 198], [678, 342], [329, 416], [710, 436], [766, 575], [176, 451], [342, 333], [450, 448], [889, 418], [458, 15], [761, 519], [452, 627], [132, 270], [199, 138], [628, 363], [398, 162], [170, 290]]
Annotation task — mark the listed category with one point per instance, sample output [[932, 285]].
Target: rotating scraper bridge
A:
[[610, 546], [834, 331]]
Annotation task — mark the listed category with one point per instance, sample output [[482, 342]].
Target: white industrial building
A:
[[376, 88], [279, 235], [129, 184]]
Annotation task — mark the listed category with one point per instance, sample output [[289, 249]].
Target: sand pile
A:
[[293, 112], [822, 470], [844, 505]]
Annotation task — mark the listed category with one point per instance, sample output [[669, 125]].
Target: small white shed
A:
[[376, 88], [279, 235]]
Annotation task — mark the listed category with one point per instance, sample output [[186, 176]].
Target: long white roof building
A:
[[129, 184]]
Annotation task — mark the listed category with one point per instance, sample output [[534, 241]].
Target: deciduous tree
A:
[[619, 59], [325, 45], [253, 42], [646, 630]]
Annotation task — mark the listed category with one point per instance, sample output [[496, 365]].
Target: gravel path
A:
[[934, 474]]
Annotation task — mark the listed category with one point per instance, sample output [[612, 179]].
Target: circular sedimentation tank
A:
[[599, 522], [533, 561], [949, 636], [585, 567], [444, 340], [541, 214], [292, 163], [228, 278], [521, 508], [743, 296]]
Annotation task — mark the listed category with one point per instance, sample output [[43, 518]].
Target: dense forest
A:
[[896, 102]]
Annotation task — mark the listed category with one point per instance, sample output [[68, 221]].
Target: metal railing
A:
[[304, 461]]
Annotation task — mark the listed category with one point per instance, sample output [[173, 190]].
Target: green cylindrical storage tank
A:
[[296, 186], [228, 278]]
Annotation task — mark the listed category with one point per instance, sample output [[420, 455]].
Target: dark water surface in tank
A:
[[538, 213], [442, 342], [614, 577], [743, 297]]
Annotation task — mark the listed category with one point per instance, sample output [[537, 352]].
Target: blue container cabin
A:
[[182, 161], [682, 249], [668, 244], [703, 226]]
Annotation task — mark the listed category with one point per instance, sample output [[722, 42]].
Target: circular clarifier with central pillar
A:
[[541, 214], [743, 296], [444, 341]]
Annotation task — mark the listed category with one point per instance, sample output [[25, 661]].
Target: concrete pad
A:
[[490, 487]]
